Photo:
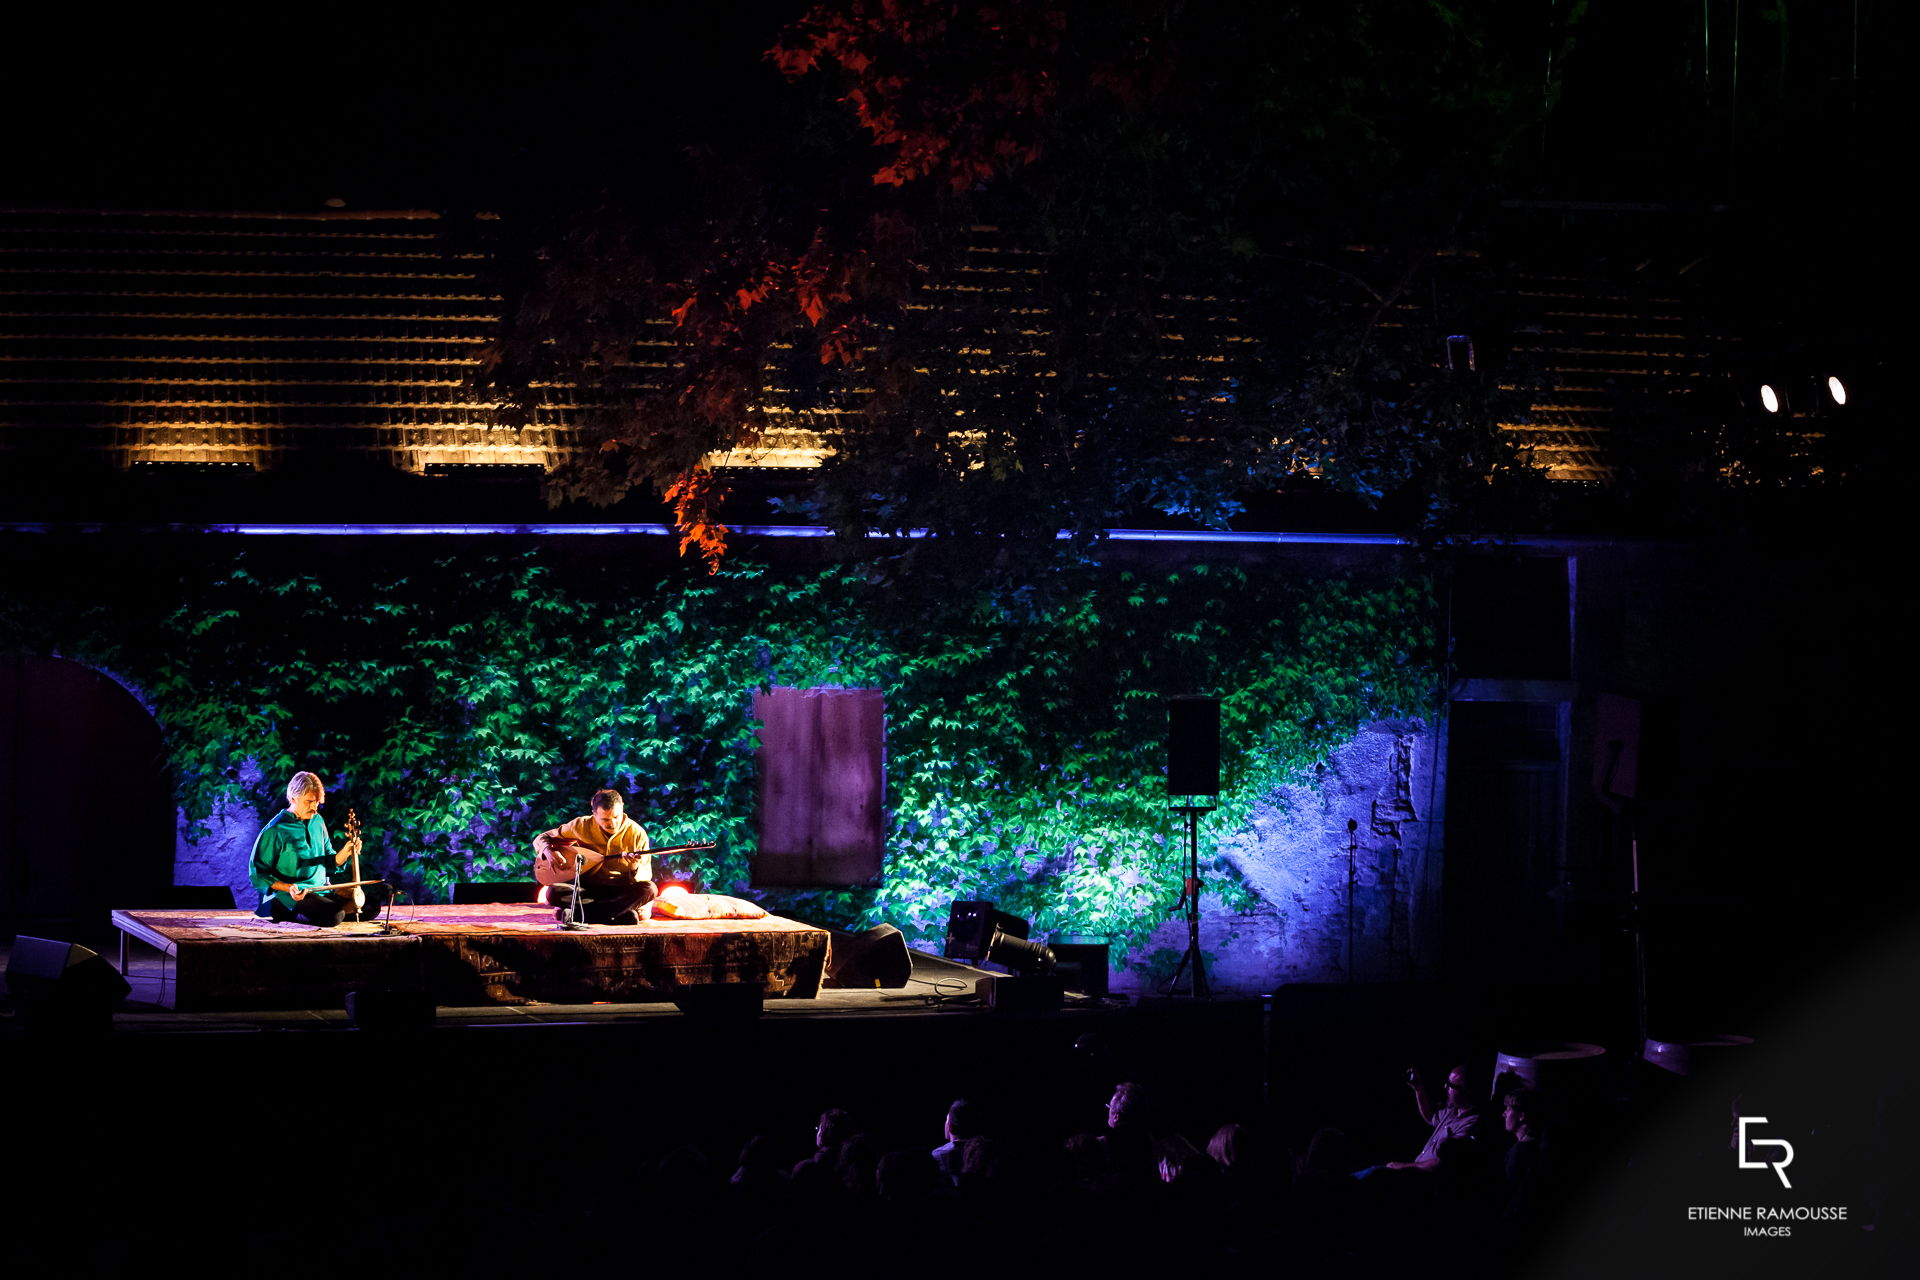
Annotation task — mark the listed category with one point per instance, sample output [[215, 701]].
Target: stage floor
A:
[[939, 988], [466, 956]]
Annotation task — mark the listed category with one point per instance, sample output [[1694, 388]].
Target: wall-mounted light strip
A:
[[771, 531], [1212, 537]]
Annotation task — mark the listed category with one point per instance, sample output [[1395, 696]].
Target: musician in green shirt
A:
[[292, 857]]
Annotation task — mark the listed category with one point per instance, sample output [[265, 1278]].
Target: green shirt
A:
[[289, 851]]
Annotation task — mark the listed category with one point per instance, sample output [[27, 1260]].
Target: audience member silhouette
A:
[[964, 1120]]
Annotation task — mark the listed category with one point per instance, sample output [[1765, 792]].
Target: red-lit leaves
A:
[[696, 497]]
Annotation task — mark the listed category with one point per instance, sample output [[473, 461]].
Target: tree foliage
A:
[[1307, 180]]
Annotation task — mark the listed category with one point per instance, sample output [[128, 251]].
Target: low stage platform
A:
[[466, 955]]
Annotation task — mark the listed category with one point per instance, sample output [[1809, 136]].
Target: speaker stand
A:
[[1190, 895], [1353, 858]]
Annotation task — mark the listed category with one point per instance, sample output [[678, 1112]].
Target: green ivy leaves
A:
[[464, 703]]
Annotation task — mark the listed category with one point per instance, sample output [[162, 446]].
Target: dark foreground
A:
[[634, 1140]]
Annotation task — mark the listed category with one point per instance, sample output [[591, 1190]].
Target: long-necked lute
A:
[[353, 843], [625, 862]]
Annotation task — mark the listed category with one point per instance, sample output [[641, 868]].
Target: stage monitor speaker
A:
[[63, 985], [875, 958], [1193, 746], [970, 929], [1083, 964]]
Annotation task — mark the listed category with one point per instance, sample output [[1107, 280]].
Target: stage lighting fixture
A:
[[1769, 398], [1837, 389], [976, 931], [1020, 955], [971, 924]]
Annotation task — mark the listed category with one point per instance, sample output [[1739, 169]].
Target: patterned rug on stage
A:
[[491, 953]]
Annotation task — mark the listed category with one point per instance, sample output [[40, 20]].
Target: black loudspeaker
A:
[[1193, 746], [1084, 964], [876, 958], [62, 985]]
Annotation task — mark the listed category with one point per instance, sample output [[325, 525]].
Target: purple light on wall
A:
[[1216, 536]]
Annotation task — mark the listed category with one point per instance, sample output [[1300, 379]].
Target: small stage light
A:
[[1837, 389], [1020, 955], [1769, 398], [977, 931], [669, 902]]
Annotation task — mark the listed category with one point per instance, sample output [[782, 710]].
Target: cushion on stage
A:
[[706, 906]]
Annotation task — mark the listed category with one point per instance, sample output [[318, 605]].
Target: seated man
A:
[[616, 876], [292, 856], [1456, 1120]]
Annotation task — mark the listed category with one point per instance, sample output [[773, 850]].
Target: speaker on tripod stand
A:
[[1193, 746], [1193, 774]]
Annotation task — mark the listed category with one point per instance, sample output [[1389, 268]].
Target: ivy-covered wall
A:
[[463, 694]]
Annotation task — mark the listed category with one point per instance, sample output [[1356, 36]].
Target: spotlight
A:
[[1769, 398], [1020, 955], [970, 929], [977, 931], [1837, 389]]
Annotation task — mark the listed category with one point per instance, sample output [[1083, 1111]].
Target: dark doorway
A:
[[1512, 618], [86, 801], [1505, 797]]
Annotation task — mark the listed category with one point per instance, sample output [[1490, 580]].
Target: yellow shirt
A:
[[553, 856]]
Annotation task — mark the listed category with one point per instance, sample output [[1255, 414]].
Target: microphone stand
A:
[[1190, 897], [575, 909], [387, 927], [1353, 853], [1636, 920]]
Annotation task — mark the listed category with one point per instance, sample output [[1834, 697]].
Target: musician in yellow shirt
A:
[[616, 876]]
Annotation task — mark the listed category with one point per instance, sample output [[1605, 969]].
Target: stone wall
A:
[[220, 856], [1293, 852]]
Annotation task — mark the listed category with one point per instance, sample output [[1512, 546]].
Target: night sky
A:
[[518, 110], [448, 104], [378, 105]]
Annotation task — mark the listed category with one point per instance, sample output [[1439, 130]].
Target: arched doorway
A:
[[87, 818]]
